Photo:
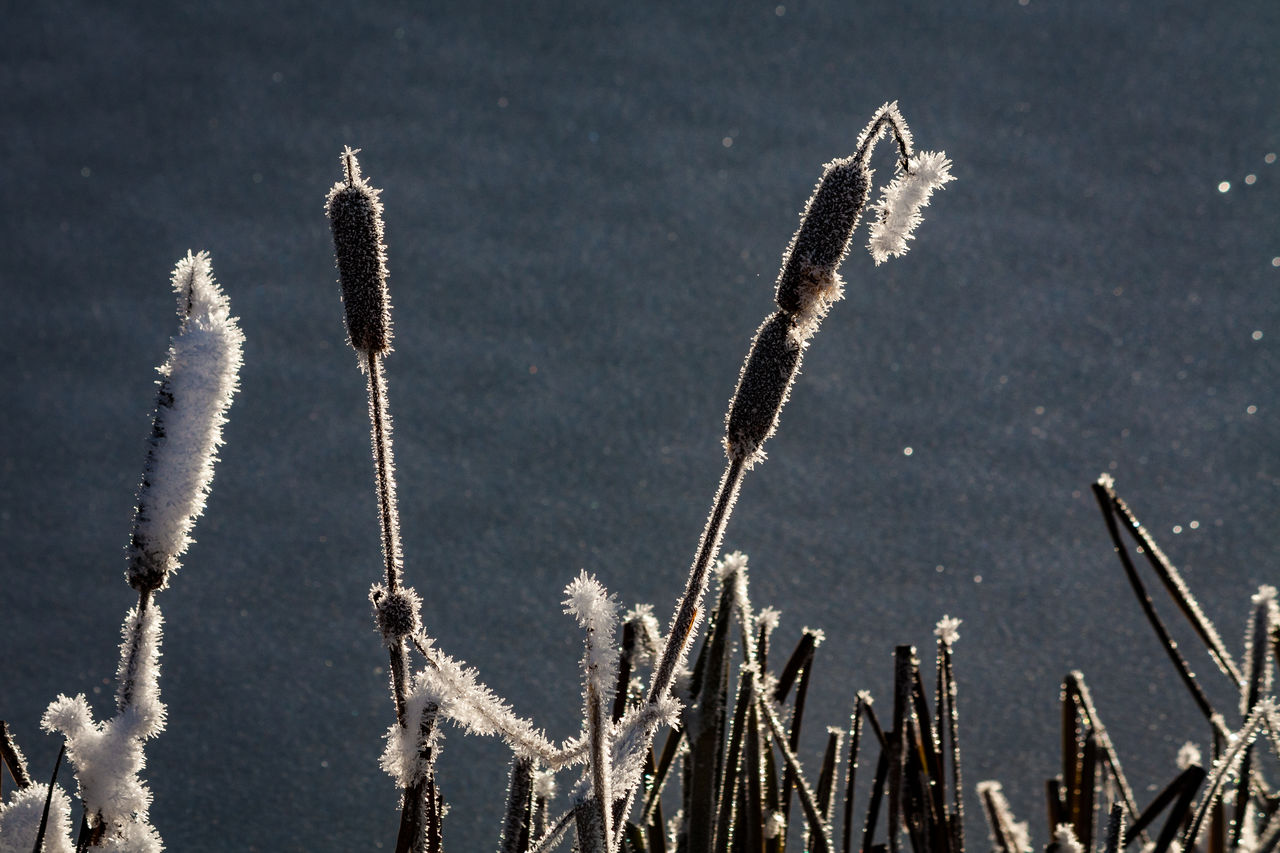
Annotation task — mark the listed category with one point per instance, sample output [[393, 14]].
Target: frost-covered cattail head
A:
[[763, 388], [396, 614], [355, 216], [898, 210], [197, 383]]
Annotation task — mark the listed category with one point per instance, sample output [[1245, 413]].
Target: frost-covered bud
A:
[[898, 210], [355, 217], [809, 269], [197, 382], [396, 614], [763, 387]]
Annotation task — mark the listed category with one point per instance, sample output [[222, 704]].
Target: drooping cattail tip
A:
[[763, 387], [355, 217]]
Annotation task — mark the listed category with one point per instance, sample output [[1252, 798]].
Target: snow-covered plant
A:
[[617, 742], [198, 380]]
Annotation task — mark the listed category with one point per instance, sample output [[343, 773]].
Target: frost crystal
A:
[[1188, 754], [898, 210], [197, 382], [774, 824], [730, 565], [108, 756], [1064, 836], [20, 820], [947, 630]]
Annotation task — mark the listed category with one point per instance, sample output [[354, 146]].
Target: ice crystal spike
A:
[[355, 217], [197, 383], [763, 388]]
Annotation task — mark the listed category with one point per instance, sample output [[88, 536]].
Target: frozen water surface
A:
[[578, 262]]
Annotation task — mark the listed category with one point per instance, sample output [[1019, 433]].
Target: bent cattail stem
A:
[[198, 380], [355, 217]]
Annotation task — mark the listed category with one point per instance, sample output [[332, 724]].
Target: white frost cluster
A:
[[730, 565], [898, 210], [1188, 754], [1065, 837], [993, 792], [20, 820], [108, 756], [774, 824], [947, 629], [403, 757], [198, 380], [589, 602]]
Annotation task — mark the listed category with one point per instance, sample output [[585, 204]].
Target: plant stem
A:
[[383, 472]]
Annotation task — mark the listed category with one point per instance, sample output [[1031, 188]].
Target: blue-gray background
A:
[[586, 204]]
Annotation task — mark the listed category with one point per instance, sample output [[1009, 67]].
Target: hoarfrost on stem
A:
[[108, 756]]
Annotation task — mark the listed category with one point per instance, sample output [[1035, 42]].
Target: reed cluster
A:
[[728, 776]]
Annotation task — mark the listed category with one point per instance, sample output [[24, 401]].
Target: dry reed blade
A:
[[48, 801], [1104, 494], [829, 775], [855, 741], [1181, 792], [1259, 663], [705, 728], [805, 651], [818, 828], [1226, 764], [1173, 583], [947, 692], [752, 822], [1115, 829], [517, 822], [654, 796], [13, 758], [1075, 684], [733, 760]]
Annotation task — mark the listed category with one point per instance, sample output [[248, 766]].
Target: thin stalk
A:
[[383, 468], [13, 758], [48, 801]]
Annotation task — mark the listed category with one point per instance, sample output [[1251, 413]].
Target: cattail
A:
[[808, 283], [763, 388], [197, 383], [355, 216]]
